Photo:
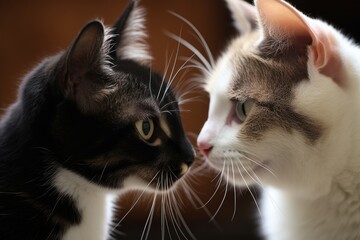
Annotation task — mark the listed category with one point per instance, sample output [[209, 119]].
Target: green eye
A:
[[145, 128], [243, 109]]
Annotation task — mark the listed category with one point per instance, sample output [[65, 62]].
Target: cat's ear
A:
[[128, 40], [281, 21], [83, 61], [244, 15]]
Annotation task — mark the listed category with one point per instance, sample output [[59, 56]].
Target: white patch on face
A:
[[94, 203], [216, 131]]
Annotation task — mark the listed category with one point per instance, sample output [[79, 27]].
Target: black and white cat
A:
[[88, 123], [284, 114]]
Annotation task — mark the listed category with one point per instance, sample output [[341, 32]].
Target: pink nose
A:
[[205, 148]]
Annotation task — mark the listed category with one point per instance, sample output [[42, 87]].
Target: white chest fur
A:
[[94, 203], [333, 216]]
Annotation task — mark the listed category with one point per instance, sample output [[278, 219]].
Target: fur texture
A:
[[299, 139], [87, 124]]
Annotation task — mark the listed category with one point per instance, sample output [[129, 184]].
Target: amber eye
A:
[[243, 109], [145, 128]]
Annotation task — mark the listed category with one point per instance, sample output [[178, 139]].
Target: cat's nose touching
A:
[[204, 147]]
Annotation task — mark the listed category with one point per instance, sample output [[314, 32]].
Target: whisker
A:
[[273, 202], [167, 65], [172, 78], [217, 188], [191, 48], [234, 188], [181, 218], [168, 203], [149, 218], [257, 163], [200, 168], [134, 204], [173, 218], [247, 186], [175, 60], [102, 172], [225, 193], [163, 218], [197, 65], [201, 38], [190, 195], [150, 84], [167, 104]]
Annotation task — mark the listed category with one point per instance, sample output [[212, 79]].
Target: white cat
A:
[[285, 114]]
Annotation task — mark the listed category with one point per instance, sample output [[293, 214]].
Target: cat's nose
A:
[[205, 148]]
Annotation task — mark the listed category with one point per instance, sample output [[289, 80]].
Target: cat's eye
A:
[[242, 109], [145, 128]]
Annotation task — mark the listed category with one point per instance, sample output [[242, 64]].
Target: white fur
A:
[[94, 203], [133, 45], [322, 199], [315, 193]]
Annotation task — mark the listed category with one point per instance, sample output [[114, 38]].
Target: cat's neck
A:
[[94, 204]]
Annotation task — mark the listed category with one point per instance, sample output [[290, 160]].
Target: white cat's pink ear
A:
[[243, 14], [279, 20]]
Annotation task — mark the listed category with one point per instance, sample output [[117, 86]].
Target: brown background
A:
[[33, 30]]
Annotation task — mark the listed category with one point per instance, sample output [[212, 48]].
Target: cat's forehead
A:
[[259, 70], [127, 98], [133, 96]]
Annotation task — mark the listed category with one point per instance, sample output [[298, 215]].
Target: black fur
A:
[[64, 119]]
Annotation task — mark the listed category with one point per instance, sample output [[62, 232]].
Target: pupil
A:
[[243, 109], [146, 127]]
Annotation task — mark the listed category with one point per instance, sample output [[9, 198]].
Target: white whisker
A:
[[225, 193], [150, 84], [172, 78], [247, 186], [190, 195], [217, 188], [167, 65], [189, 46], [181, 218], [246, 155], [234, 188], [134, 204], [149, 219], [200, 37]]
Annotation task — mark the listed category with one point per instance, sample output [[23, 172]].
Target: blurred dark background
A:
[[32, 30]]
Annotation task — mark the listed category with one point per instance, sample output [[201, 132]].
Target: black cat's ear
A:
[[244, 15], [84, 61], [128, 40], [84, 54]]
